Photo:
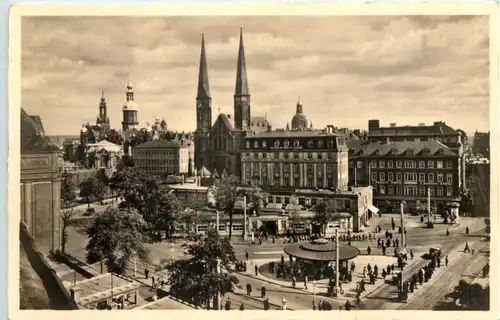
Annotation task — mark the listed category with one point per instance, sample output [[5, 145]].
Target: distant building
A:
[[406, 171], [162, 158]]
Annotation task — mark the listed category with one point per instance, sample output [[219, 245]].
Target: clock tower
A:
[[203, 113]]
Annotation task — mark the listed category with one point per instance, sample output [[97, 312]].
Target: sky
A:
[[346, 69]]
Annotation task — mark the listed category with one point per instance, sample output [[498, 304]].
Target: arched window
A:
[[296, 143], [256, 144], [276, 143], [248, 144], [310, 144], [286, 143]]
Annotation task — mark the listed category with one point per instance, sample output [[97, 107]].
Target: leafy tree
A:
[[187, 218], [324, 212], [68, 188], [66, 216], [471, 296], [116, 236], [166, 210], [92, 189], [225, 192], [196, 279]]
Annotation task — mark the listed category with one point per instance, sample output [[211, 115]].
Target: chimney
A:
[[393, 125]]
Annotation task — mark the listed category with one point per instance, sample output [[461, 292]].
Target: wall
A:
[[41, 197], [59, 297]]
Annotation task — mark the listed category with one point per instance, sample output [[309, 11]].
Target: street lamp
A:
[[314, 291]]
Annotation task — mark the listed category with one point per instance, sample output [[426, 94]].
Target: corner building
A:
[[296, 159], [406, 171]]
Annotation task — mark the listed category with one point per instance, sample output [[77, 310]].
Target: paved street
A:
[[418, 238]]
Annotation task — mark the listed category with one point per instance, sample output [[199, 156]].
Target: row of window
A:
[[409, 164], [204, 227], [157, 152], [291, 155], [287, 182], [165, 169], [288, 168], [296, 143], [412, 177], [414, 191], [156, 161]]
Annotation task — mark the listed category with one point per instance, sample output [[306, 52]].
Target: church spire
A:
[[241, 73], [129, 86], [203, 84]]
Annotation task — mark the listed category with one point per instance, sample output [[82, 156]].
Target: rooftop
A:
[[295, 134], [187, 186], [165, 144], [397, 148], [438, 128], [102, 287], [165, 303]]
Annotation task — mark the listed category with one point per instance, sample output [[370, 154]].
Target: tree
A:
[[92, 189], [324, 212], [66, 216], [187, 218], [197, 278], [225, 192], [116, 236], [68, 188], [166, 209], [471, 296]]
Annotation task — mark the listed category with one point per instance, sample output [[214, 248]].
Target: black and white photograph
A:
[[281, 162]]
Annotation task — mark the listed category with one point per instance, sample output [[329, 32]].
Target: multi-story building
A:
[[295, 159], [408, 171], [439, 131], [162, 158]]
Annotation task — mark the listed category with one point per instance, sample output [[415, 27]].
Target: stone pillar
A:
[[324, 176], [315, 184], [281, 174]]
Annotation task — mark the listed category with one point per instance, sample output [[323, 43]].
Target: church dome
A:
[[130, 105], [299, 120]]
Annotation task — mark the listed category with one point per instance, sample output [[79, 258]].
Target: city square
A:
[[253, 210]]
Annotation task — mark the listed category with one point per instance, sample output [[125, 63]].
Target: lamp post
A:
[[336, 261], [428, 205], [245, 237], [314, 291], [403, 238]]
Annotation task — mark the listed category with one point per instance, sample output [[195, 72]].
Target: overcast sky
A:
[[345, 69]]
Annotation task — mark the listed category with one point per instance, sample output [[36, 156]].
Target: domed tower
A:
[[103, 120], [163, 125], [299, 120], [130, 109]]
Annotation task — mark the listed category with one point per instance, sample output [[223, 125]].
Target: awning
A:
[[373, 209]]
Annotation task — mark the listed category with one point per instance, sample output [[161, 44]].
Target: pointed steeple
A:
[[241, 72], [129, 86], [203, 84], [102, 96]]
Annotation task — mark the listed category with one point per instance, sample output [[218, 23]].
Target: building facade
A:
[[439, 131], [406, 171], [130, 109], [163, 158], [295, 159]]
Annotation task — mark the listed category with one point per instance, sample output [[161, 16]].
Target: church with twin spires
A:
[[218, 145]]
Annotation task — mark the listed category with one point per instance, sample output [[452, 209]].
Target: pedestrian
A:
[[283, 304], [263, 292], [447, 232], [439, 262], [294, 281], [152, 281], [467, 230], [246, 255], [446, 261], [383, 250], [249, 289], [282, 259], [466, 249], [227, 306], [364, 272], [256, 270], [378, 243], [266, 304], [369, 268], [369, 250], [242, 306], [411, 254], [353, 266], [146, 273], [305, 282]]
